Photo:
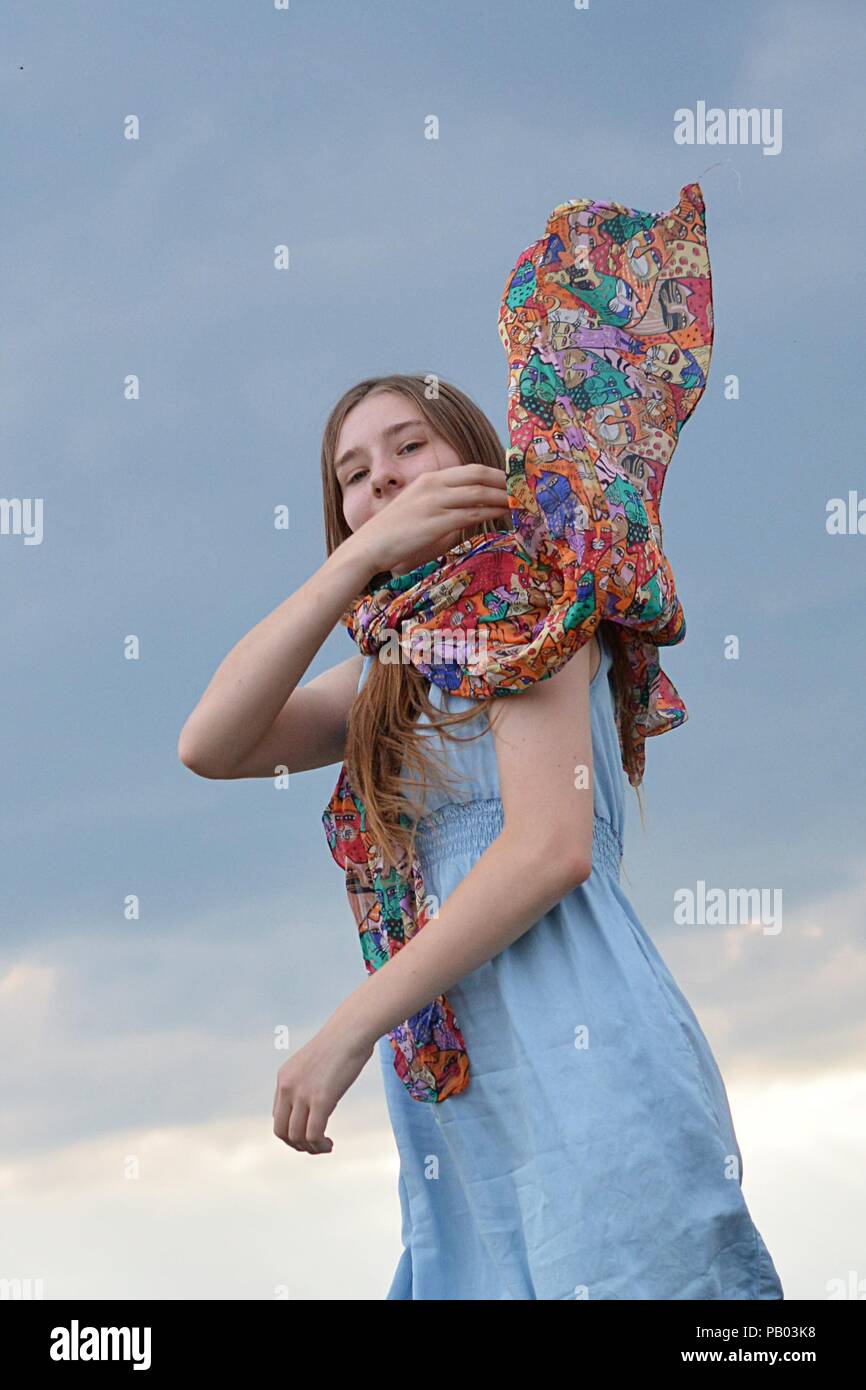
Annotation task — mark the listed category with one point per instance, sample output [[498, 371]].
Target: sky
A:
[[137, 1057]]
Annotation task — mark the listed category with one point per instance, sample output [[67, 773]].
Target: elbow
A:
[[567, 864], [573, 866], [189, 760], [586, 870], [580, 872], [193, 759]]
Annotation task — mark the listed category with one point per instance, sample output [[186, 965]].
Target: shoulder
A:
[[558, 697]]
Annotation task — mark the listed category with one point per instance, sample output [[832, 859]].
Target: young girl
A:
[[593, 1155]]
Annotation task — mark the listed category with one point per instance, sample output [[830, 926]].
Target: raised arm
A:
[[251, 717]]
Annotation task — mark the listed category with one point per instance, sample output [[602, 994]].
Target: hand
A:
[[311, 1082], [426, 518]]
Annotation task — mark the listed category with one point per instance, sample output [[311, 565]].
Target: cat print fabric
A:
[[607, 325]]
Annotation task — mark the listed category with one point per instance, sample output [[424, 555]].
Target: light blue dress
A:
[[605, 1171]]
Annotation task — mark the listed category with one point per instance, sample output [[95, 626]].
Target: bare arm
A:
[[543, 737], [251, 717]]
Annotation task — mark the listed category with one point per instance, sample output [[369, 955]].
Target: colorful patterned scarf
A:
[[607, 323]]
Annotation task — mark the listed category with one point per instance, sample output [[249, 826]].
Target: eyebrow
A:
[[352, 454]]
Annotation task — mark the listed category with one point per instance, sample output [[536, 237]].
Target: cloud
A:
[[221, 1210], [785, 1006]]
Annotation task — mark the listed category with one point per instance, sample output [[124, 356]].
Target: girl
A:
[[593, 1155]]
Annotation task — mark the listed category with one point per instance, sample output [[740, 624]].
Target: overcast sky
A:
[[136, 1057]]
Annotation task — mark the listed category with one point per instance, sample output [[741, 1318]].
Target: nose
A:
[[385, 478]]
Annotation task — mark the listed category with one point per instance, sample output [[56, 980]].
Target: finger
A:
[[316, 1138], [492, 482], [473, 472], [323, 1146], [298, 1127], [282, 1113], [476, 496], [493, 478]]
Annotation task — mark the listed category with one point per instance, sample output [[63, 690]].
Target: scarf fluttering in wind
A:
[[607, 323]]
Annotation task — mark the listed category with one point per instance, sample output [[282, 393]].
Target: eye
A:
[[412, 444]]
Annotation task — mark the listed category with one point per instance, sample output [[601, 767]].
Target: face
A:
[[383, 444]]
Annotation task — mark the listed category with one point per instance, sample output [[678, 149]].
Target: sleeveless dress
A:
[[602, 1170]]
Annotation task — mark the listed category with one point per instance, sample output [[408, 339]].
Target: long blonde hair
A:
[[382, 736]]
